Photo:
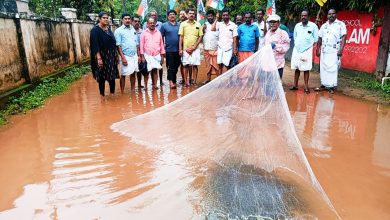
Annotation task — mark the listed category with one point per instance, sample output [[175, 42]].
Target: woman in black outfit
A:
[[103, 54]]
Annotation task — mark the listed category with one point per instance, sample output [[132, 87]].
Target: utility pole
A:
[[124, 6], [384, 45], [54, 8]]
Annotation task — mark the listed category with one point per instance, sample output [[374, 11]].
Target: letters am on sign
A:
[[361, 49]]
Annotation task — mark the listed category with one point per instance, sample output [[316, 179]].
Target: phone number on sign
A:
[[356, 49]]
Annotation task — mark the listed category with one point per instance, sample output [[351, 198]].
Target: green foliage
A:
[[288, 9], [48, 87], [44, 7], [241, 6], [367, 82]]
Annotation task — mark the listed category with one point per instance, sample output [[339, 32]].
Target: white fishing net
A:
[[239, 127]]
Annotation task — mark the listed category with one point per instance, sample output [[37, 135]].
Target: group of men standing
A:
[[330, 44], [225, 39], [142, 51]]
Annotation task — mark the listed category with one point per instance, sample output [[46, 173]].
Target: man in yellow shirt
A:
[[191, 34]]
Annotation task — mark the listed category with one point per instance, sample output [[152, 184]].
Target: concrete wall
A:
[[22, 6], [31, 49], [48, 46], [81, 39], [11, 66]]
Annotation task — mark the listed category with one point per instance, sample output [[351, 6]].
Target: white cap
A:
[[273, 17]]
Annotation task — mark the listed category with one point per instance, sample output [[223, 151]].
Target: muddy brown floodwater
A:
[[63, 161]]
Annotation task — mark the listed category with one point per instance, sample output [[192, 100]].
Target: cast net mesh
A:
[[239, 125]]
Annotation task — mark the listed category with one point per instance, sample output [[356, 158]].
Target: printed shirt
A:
[[331, 35], [170, 32], [261, 31], [151, 43], [247, 37], [282, 41], [226, 34], [190, 32], [305, 36], [210, 38], [126, 39]]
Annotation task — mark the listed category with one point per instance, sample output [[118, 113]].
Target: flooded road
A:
[[64, 162]]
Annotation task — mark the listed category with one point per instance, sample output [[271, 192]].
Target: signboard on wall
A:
[[361, 48]]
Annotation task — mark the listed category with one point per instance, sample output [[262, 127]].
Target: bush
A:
[[46, 88]]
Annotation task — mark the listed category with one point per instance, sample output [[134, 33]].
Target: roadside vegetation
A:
[[36, 97], [367, 82]]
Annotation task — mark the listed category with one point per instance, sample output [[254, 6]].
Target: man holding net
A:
[[279, 41]]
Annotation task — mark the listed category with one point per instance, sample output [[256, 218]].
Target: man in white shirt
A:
[[330, 48], [305, 35], [262, 25], [210, 44], [227, 34]]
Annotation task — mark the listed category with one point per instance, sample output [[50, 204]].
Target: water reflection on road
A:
[[64, 162], [346, 143]]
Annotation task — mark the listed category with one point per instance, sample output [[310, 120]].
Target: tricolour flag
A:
[[271, 9], [321, 2], [217, 4], [171, 4], [143, 8], [201, 11]]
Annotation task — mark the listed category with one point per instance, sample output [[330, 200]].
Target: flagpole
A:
[[315, 52]]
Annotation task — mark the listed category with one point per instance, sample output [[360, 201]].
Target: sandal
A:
[[318, 89], [293, 88], [307, 90]]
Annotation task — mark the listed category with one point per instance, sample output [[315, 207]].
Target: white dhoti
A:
[[153, 62], [329, 67], [193, 59], [132, 65], [302, 61], [224, 56]]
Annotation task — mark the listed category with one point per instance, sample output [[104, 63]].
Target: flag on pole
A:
[[200, 15], [321, 2], [143, 8], [271, 9], [217, 4], [171, 4]]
